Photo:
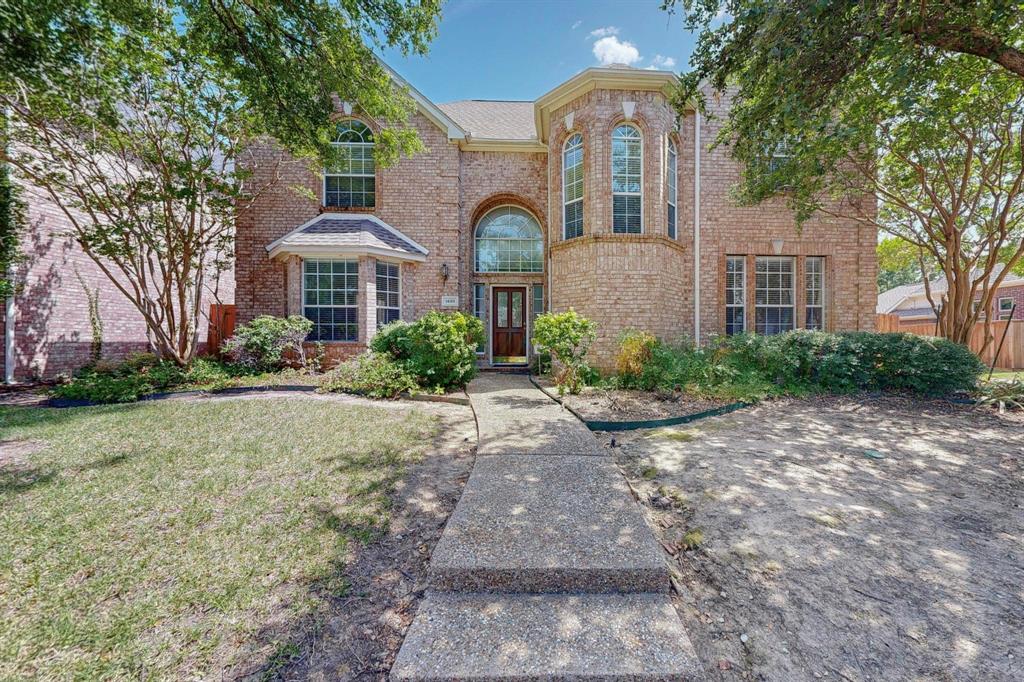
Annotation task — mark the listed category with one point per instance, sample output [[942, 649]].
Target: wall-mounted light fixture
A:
[[444, 271]]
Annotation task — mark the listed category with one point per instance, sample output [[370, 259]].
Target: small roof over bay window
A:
[[348, 234]]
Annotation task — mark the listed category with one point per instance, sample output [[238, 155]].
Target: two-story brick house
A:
[[597, 196]]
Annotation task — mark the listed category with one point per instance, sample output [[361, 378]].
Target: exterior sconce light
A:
[[444, 271]]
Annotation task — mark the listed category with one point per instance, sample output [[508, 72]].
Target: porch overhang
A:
[[332, 235]]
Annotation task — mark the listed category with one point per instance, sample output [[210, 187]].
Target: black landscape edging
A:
[[597, 425]]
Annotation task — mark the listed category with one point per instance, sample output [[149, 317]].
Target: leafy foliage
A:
[[375, 375], [897, 263], [918, 103], [634, 354], [137, 376], [439, 349], [262, 344], [1002, 393], [568, 337], [751, 367], [12, 223]]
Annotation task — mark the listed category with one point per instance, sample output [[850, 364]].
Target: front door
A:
[[508, 325]]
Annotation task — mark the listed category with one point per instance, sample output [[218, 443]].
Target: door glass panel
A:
[[517, 309], [502, 308]]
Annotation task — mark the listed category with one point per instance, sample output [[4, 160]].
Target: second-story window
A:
[[672, 189], [572, 186], [627, 180], [353, 182]]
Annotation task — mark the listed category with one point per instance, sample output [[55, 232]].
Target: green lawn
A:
[[1006, 374], [166, 540]]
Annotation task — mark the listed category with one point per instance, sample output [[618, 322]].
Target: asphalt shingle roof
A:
[[493, 119], [346, 231]]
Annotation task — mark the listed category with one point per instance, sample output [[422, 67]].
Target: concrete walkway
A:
[[546, 569]]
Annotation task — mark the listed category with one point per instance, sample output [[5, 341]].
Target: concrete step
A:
[[546, 637], [544, 524]]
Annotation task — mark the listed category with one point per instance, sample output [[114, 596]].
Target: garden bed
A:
[[595, 404]]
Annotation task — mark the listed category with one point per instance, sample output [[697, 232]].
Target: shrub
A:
[[262, 343], [634, 354], [376, 375], [567, 336], [1002, 393], [748, 366], [439, 349]]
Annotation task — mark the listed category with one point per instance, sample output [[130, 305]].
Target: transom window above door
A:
[[509, 239], [352, 183]]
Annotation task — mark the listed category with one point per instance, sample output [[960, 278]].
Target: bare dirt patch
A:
[[849, 539], [358, 636], [599, 404]]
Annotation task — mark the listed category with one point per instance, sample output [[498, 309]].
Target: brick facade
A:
[[643, 281], [52, 331]]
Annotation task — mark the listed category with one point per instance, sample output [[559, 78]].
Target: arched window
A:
[[672, 188], [508, 239], [353, 182], [627, 180], [572, 187]]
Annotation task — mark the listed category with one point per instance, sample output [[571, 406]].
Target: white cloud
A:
[[610, 51], [604, 31], [576, 24], [660, 62]]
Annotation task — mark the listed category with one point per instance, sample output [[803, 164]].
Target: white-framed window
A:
[[670, 174], [536, 307], [480, 311], [735, 294], [1005, 307], [780, 156], [572, 187], [774, 288], [389, 293], [814, 292], [627, 180], [509, 239], [329, 292], [353, 182]]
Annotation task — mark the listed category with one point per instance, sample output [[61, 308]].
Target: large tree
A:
[[135, 116], [919, 103]]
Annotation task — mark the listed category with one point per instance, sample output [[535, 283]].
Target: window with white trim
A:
[[353, 183], [509, 239], [627, 180], [329, 289], [480, 311], [774, 288], [389, 288], [572, 187], [814, 292], [1005, 307], [672, 188], [735, 294]]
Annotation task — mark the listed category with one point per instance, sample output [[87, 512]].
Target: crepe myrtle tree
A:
[[136, 117], [916, 103]]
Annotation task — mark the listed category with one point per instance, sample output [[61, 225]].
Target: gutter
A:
[[696, 226]]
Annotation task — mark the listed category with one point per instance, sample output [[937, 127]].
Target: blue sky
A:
[[520, 49]]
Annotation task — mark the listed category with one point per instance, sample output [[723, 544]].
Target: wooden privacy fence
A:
[[1010, 357], [222, 326]]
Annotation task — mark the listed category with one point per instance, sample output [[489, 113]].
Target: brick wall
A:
[[53, 335], [1016, 293]]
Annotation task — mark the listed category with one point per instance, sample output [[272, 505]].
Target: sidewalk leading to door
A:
[[546, 569]]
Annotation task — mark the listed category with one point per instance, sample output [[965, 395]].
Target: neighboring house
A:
[[50, 333], [585, 198], [910, 302]]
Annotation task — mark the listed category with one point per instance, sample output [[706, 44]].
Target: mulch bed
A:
[[598, 404]]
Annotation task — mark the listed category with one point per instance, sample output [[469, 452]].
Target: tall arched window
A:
[[572, 187], [353, 182], [508, 239], [627, 180], [672, 188]]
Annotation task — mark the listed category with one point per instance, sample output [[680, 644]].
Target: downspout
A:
[[696, 226], [9, 334], [550, 239]]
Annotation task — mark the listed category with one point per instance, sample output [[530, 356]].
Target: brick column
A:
[[367, 298]]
